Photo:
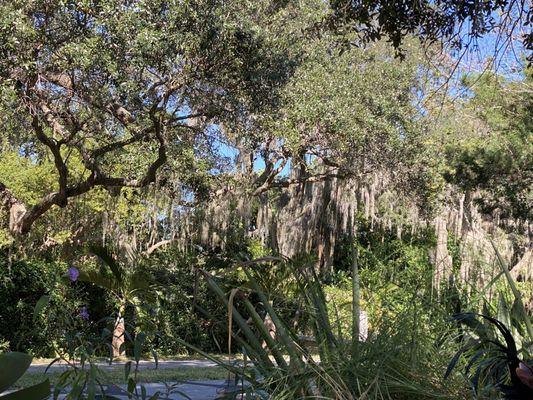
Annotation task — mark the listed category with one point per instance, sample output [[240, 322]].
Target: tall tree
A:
[[492, 154], [117, 86]]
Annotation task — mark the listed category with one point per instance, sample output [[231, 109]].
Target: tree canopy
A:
[[91, 84], [459, 23], [140, 109]]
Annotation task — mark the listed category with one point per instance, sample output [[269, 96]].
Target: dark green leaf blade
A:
[[12, 367], [41, 391], [41, 303]]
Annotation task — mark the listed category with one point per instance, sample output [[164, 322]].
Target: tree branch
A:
[[65, 126], [295, 181]]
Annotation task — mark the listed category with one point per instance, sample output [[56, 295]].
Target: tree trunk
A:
[[356, 305], [118, 333], [270, 326], [12, 207]]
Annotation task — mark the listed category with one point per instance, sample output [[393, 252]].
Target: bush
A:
[[174, 316], [179, 314], [22, 284]]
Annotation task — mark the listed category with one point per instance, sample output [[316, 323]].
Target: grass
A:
[[116, 375]]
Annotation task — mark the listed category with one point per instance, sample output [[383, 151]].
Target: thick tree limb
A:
[[69, 132], [157, 245], [266, 179], [296, 181], [55, 149], [21, 219]]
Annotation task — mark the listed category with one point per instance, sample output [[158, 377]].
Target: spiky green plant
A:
[[389, 365], [493, 348], [493, 358]]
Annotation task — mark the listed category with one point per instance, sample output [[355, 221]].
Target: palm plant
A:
[[126, 283], [323, 364], [495, 350], [495, 363]]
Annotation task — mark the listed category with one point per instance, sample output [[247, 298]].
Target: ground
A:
[[176, 378]]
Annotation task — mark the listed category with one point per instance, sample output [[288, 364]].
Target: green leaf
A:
[[41, 391], [91, 383], [107, 258], [41, 303], [504, 313], [143, 392], [98, 279], [516, 292], [470, 320], [127, 370], [250, 336], [131, 385], [137, 346], [57, 391], [12, 367], [453, 362], [77, 386]]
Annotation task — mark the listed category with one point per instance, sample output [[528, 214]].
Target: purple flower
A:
[[73, 273], [84, 314]]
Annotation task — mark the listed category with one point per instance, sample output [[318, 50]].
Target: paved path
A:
[[196, 390], [163, 364]]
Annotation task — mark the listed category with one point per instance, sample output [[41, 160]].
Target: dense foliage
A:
[[211, 176], [495, 152]]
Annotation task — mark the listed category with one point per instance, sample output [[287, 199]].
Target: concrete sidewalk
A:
[[187, 389], [196, 390]]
